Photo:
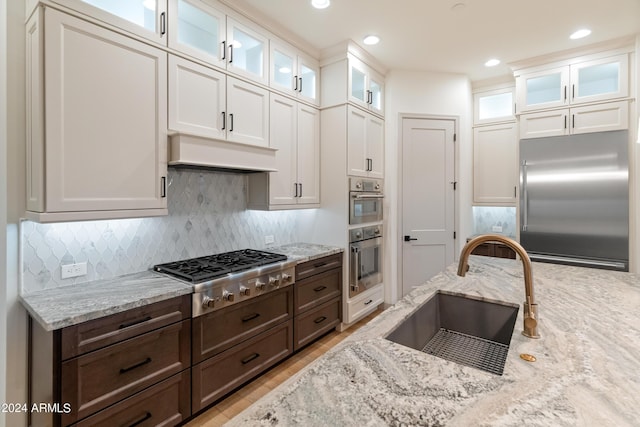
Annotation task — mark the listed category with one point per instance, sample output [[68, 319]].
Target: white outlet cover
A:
[[73, 270]]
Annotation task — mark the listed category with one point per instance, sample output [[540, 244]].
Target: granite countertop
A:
[[587, 370], [69, 305], [303, 252]]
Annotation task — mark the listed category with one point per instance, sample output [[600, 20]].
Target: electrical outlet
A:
[[497, 228], [268, 240], [73, 270]]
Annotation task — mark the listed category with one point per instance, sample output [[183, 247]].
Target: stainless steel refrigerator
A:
[[574, 199]]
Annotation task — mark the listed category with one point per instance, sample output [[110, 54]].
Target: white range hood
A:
[[192, 150]]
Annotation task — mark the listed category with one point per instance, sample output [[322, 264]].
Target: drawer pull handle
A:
[[368, 302], [134, 322], [250, 358], [320, 264], [250, 317], [320, 319], [320, 288], [144, 418], [137, 365]]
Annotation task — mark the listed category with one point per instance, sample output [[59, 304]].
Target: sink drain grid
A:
[[468, 350]]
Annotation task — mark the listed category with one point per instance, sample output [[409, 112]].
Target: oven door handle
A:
[[355, 266], [367, 196]]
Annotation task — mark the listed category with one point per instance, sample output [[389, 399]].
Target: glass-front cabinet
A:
[[293, 73], [589, 81], [147, 18], [366, 87], [198, 30], [493, 106], [246, 51]]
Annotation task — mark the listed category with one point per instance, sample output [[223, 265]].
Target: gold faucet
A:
[[530, 308]]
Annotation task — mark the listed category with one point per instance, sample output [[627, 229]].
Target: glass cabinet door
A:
[[376, 89], [601, 79], [309, 73], [282, 69], [246, 52], [358, 80], [144, 17], [493, 106], [543, 89], [197, 29]]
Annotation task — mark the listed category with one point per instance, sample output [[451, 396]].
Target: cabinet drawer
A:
[[319, 265], [98, 379], [95, 334], [314, 323], [218, 331], [167, 403], [219, 375], [317, 289], [364, 304]]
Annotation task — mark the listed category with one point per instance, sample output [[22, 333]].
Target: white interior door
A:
[[428, 203]]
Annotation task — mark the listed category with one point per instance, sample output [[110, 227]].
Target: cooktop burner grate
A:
[[196, 270]]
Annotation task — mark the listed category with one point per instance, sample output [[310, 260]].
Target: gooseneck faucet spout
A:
[[530, 307]]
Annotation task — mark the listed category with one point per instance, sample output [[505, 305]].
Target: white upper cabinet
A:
[[493, 106], [94, 151], [581, 82], [365, 144], [495, 160], [246, 51], [366, 87], [293, 73], [146, 18], [198, 29]]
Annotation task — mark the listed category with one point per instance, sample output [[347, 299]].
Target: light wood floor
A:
[[242, 398]]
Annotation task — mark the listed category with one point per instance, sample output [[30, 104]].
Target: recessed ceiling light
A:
[[580, 34], [492, 63], [371, 40], [320, 4]]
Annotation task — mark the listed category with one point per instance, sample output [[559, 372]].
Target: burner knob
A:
[[274, 281], [245, 291], [260, 285], [228, 296], [208, 302], [286, 277]]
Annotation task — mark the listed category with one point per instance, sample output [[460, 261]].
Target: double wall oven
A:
[[365, 241]]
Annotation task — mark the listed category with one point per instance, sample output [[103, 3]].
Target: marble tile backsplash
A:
[[486, 217], [207, 214]]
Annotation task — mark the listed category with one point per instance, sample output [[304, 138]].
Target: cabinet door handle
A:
[[137, 365], [295, 88], [295, 189], [320, 319], [300, 85], [163, 187], [224, 120], [565, 93], [230, 53], [142, 419], [300, 184], [565, 121], [573, 121], [320, 288], [134, 322], [224, 50], [573, 91], [163, 23], [250, 358], [368, 302], [231, 122], [250, 317]]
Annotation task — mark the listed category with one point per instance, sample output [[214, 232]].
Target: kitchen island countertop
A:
[[587, 370]]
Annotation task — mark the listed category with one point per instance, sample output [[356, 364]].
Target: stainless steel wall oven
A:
[[365, 200], [365, 263]]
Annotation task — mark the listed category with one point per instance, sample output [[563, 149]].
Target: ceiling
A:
[[456, 36]]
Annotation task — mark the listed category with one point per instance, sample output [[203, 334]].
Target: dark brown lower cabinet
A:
[[496, 249], [166, 403], [316, 322], [219, 375]]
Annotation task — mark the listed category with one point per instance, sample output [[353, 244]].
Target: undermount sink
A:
[[468, 330]]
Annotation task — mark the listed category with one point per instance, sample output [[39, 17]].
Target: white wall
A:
[[424, 93], [13, 355]]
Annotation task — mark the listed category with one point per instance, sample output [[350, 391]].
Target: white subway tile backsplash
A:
[[207, 214]]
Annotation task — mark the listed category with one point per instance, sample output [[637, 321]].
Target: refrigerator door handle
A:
[[525, 196]]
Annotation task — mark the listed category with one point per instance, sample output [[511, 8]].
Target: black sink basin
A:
[[460, 328]]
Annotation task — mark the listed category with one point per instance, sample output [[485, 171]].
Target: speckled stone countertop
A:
[[68, 305], [587, 371], [302, 252]]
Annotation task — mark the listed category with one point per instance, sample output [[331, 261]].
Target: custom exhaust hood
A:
[[192, 150]]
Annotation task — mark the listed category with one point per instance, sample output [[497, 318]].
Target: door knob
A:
[[409, 238]]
